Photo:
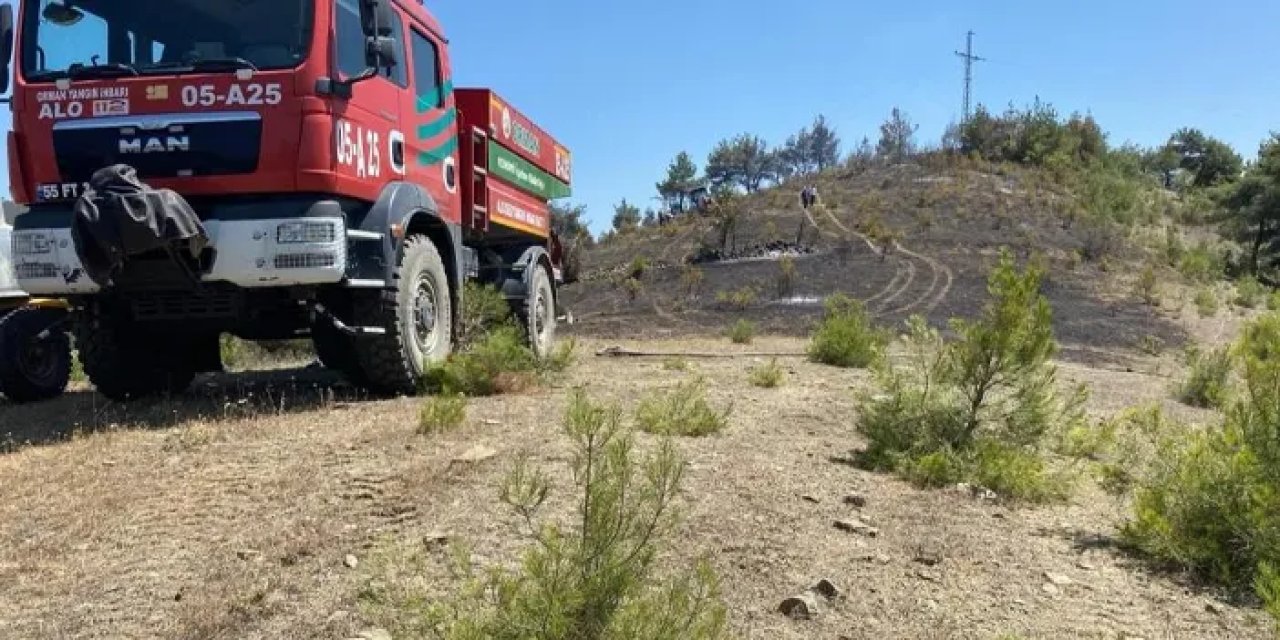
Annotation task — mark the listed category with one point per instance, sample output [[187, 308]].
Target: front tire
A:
[[124, 365], [32, 369], [417, 316]]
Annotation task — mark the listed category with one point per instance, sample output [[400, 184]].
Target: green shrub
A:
[[1267, 586], [483, 308], [1250, 293], [691, 279], [738, 300], [1212, 502], [1273, 301], [982, 408], [767, 376], [1110, 196], [638, 267], [1174, 247], [1129, 444], [1207, 378], [682, 411], [1100, 237], [1199, 264], [498, 362], [597, 577], [441, 413], [847, 337], [1206, 302], [1148, 286], [786, 278], [741, 332], [633, 288]]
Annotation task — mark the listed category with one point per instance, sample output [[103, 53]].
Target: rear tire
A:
[[539, 313], [418, 318], [31, 369], [123, 365]]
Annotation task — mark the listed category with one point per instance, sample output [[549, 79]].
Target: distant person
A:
[[808, 196]]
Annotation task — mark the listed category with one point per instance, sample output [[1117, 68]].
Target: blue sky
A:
[[628, 85]]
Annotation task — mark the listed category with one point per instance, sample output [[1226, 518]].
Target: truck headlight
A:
[[29, 243], [304, 232]]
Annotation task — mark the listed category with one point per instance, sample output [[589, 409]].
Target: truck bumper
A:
[[250, 253]]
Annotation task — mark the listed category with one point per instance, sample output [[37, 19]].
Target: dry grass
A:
[[185, 520]]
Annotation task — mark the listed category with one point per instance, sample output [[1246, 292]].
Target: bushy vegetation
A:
[[483, 308], [1250, 293], [494, 356], [739, 299], [767, 376], [741, 332], [1207, 378], [596, 578], [982, 408], [786, 278], [442, 413], [1199, 264], [1210, 501], [1034, 136], [847, 337], [1148, 286], [681, 411], [1206, 302], [691, 279]]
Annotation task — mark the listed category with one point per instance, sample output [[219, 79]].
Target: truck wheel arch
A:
[[535, 257], [412, 210]]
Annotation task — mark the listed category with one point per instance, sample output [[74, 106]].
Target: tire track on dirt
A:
[[941, 281], [932, 296], [882, 305], [904, 271]]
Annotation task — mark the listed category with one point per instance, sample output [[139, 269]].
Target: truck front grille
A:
[[305, 260], [33, 270]]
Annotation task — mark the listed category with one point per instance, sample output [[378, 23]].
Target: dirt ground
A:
[[231, 513]]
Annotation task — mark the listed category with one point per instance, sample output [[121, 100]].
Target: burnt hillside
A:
[[944, 224]]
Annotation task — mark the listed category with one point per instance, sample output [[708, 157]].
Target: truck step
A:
[[356, 234], [357, 283], [338, 324]]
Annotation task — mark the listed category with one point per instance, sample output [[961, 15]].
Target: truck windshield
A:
[[109, 38]]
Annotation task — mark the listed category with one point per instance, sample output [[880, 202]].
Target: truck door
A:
[[367, 131], [432, 125]]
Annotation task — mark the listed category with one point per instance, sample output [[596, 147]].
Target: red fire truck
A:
[[268, 169]]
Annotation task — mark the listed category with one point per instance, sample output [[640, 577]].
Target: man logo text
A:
[[155, 144]]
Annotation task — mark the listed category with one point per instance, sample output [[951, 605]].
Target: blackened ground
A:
[[950, 229]]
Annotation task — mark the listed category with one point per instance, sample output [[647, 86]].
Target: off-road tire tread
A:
[[383, 358], [117, 371], [525, 312], [28, 321]]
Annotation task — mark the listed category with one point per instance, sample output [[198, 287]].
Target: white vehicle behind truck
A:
[[35, 350]]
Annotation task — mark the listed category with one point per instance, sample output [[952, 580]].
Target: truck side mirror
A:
[[376, 18], [381, 52], [6, 44]]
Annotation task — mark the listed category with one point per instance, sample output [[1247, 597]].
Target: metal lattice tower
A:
[[969, 59]]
